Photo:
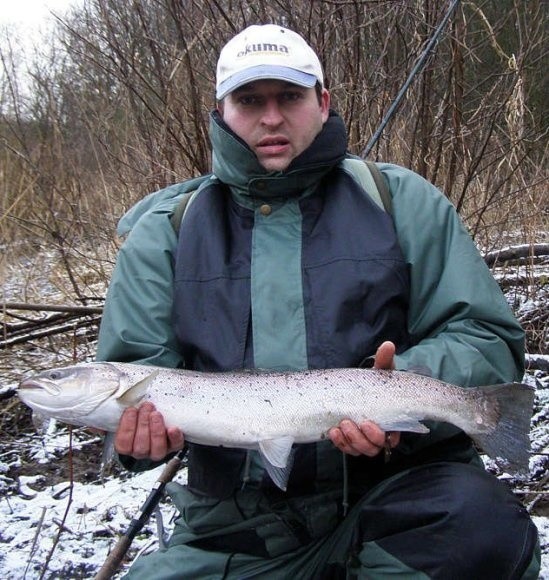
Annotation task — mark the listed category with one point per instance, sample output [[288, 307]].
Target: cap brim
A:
[[265, 72]]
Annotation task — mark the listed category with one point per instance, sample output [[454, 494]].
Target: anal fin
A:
[[277, 456]]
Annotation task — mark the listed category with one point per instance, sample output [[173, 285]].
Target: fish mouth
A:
[[32, 385]]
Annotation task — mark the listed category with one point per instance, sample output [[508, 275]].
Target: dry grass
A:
[[119, 106]]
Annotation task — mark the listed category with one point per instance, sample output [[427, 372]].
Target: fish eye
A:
[[55, 374]]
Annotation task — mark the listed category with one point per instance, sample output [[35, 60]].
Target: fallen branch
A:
[[11, 329], [34, 545], [34, 334], [516, 253], [537, 362], [52, 308], [511, 280]]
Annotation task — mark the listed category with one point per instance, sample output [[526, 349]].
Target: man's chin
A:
[[272, 165]]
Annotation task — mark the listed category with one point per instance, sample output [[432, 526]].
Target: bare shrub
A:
[[118, 106]]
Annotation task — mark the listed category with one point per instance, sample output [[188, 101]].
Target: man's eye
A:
[[248, 100], [291, 96]]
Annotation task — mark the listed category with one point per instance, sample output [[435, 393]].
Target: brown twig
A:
[[61, 524]]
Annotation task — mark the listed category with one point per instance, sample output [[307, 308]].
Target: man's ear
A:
[[325, 100]]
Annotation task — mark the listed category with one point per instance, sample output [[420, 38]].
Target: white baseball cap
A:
[[268, 51]]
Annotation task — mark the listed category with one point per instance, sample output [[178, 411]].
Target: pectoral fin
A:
[[41, 422], [107, 455], [131, 396]]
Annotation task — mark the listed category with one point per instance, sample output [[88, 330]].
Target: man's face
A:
[[278, 120]]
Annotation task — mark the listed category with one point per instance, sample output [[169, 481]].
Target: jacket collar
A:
[[235, 164]]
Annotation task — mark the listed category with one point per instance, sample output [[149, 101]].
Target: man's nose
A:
[[272, 114]]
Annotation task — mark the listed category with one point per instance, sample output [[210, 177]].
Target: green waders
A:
[[442, 520]]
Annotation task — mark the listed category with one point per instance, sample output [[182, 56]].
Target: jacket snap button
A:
[[265, 209]]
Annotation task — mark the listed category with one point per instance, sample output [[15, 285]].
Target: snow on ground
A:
[[72, 527], [542, 523]]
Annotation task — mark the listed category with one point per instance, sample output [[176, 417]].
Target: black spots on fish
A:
[[327, 386], [268, 401], [383, 378], [319, 382]]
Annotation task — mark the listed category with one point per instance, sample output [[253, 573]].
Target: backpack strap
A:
[[368, 175], [177, 215], [190, 188], [382, 186]]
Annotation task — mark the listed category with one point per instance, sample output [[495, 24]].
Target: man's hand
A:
[[367, 438], [142, 434]]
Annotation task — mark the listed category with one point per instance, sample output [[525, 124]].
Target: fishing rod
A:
[[115, 557], [415, 70]]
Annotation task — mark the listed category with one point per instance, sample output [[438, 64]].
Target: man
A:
[[284, 261]]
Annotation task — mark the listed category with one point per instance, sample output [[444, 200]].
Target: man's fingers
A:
[[164, 441], [176, 440], [367, 439], [349, 438], [158, 437], [340, 441], [123, 441], [142, 434], [384, 356], [373, 434], [142, 438]]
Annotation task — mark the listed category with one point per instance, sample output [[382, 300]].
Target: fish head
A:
[[72, 393]]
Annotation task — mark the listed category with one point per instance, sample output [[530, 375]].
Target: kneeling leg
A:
[[445, 520]]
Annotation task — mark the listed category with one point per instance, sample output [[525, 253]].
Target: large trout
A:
[[270, 411]]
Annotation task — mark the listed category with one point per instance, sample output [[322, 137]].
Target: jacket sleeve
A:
[[137, 320], [460, 324], [136, 325]]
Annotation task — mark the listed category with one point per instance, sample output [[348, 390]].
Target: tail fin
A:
[[510, 440]]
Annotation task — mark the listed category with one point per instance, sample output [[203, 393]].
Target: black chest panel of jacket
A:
[[355, 295]]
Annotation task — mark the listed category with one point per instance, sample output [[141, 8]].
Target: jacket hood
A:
[[235, 164]]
